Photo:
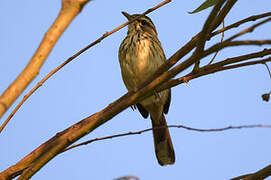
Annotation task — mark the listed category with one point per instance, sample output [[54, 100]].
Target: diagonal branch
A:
[[237, 59], [187, 63], [259, 175], [207, 71], [237, 24], [206, 30], [224, 44], [222, 14], [250, 29], [70, 9]]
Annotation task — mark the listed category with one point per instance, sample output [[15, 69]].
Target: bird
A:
[[140, 55]]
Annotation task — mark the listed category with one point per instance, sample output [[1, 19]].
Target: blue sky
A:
[[93, 80]]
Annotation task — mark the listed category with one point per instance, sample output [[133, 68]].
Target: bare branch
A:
[[237, 24], [69, 10], [224, 44], [190, 76], [206, 30], [237, 59], [259, 175], [250, 29], [221, 40], [222, 14], [169, 126]]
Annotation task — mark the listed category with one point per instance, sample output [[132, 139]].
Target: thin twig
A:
[[237, 24], [222, 14], [224, 44], [214, 70], [170, 126], [250, 29], [221, 40], [206, 30], [206, 71], [237, 59], [268, 69], [39, 84], [181, 67]]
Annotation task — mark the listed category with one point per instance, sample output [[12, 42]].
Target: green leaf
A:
[[205, 5]]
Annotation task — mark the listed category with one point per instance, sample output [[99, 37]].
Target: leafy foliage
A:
[[205, 5]]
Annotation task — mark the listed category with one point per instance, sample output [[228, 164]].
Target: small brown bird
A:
[[140, 55]]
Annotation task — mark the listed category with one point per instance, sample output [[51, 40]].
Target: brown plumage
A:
[[140, 55]]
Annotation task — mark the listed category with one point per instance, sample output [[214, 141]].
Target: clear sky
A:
[[93, 80]]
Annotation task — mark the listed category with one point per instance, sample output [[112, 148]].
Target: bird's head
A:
[[143, 24]]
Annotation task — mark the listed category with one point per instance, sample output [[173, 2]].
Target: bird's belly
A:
[[139, 63], [137, 70]]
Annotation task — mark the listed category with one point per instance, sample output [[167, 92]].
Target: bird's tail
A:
[[162, 142]]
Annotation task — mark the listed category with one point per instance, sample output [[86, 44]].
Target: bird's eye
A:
[[144, 22]]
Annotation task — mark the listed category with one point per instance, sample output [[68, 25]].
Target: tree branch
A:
[[169, 126], [237, 24], [70, 9], [190, 76], [250, 29], [259, 175], [269, 72], [224, 44], [206, 30], [237, 59]]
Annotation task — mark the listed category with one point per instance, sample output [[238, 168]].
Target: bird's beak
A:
[[128, 16]]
